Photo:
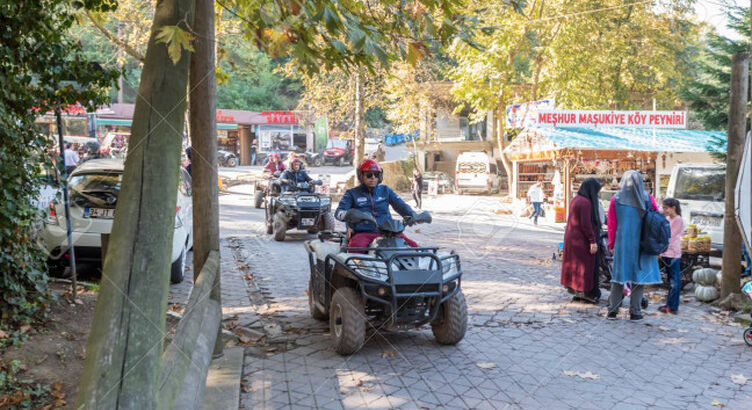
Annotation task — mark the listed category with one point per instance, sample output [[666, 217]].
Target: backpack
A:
[[656, 232]]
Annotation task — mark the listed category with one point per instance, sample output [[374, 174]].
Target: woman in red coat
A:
[[578, 268]]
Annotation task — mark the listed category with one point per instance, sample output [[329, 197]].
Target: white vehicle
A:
[[476, 172], [700, 189], [93, 191]]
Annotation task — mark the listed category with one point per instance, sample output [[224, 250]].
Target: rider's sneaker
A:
[[635, 318], [611, 316]]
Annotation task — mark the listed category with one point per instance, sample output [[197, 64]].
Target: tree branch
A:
[[118, 42]]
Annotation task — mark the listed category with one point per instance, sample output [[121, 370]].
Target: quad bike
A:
[[299, 207], [268, 186], [387, 285]]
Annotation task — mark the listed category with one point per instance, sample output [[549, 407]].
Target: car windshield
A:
[[704, 184], [95, 182], [337, 143]]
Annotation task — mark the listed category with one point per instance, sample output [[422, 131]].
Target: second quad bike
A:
[[267, 186], [387, 285], [299, 207]]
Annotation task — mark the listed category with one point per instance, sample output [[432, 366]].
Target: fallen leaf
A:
[[587, 375], [388, 353], [360, 383], [3, 335], [82, 356], [486, 365], [739, 379], [174, 307], [231, 325], [40, 361], [307, 292], [717, 403], [248, 276], [245, 386], [24, 328]]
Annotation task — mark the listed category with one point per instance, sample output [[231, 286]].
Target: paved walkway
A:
[[527, 345]]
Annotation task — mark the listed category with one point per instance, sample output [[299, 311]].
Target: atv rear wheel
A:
[[315, 312], [347, 321], [258, 199], [451, 323]]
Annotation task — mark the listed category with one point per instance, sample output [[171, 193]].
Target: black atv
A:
[[387, 285], [299, 207]]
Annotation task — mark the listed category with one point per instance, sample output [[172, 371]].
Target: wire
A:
[[579, 13]]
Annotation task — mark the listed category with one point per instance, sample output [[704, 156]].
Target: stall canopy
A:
[[539, 140]]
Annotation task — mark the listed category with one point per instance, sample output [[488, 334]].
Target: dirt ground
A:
[[55, 352]]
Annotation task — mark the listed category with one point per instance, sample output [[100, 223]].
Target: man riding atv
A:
[[268, 185], [295, 174], [373, 198]]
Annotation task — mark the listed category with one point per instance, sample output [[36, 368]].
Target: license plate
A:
[[307, 221], [99, 213], [707, 221]]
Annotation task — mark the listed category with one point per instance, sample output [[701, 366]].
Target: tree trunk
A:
[[501, 110], [360, 133], [732, 253], [203, 112], [125, 344]]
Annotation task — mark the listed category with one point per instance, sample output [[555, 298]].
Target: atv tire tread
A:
[[353, 321], [449, 328], [258, 199]]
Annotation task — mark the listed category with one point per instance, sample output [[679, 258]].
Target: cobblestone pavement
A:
[[527, 345]]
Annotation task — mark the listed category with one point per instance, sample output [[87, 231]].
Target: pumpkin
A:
[[705, 276], [706, 293]]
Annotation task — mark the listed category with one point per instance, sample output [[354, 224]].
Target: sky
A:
[[712, 12]]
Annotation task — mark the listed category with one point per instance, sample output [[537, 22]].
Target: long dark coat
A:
[[578, 265]]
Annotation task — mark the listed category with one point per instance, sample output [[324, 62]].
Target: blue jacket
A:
[[294, 177], [375, 201]]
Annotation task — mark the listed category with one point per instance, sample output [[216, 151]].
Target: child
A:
[[672, 256]]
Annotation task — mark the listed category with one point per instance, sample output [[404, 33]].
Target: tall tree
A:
[[125, 344], [707, 93]]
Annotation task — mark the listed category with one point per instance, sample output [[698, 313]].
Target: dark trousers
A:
[[673, 270], [418, 197]]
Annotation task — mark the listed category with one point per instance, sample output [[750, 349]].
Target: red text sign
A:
[[280, 117], [635, 119]]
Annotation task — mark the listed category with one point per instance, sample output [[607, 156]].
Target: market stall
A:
[[574, 154]]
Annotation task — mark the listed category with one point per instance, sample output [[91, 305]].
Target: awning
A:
[[113, 121], [226, 126]]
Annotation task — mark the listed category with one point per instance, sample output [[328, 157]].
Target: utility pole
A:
[[732, 252], [360, 132]]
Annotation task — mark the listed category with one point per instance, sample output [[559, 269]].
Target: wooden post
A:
[[360, 133], [732, 252], [567, 188], [204, 148], [121, 370]]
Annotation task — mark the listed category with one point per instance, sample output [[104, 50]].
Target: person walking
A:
[[535, 196], [672, 256], [631, 267], [71, 158], [254, 149], [418, 188], [579, 271]]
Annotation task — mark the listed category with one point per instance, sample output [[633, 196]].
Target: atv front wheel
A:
[[327, 222], [315, 312], [347, 321], [451, 323], [258, 199]]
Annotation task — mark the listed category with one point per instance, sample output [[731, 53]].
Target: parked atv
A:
[[388, 286], [299, 207], [267, 186], [227, 158]]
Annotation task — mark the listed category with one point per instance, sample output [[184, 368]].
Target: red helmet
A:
[[372, 166]]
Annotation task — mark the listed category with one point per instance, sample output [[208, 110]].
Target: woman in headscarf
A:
[[578, 269], [631, 267]]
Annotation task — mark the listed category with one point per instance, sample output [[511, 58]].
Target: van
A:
[[701, 189], [476, 172]]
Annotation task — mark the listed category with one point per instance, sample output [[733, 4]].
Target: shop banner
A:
[[526, 114], [321, 129], [592, 119]]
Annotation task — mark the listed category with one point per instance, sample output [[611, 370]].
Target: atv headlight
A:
[[287, 201], [326, 201], [448, 268], [370, 269]]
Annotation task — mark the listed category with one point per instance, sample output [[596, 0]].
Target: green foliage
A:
[[17, 392], [708, 92], [253, 82], [38, 66]]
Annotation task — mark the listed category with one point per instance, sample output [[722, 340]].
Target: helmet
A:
[[370, 165], [295, 160]]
